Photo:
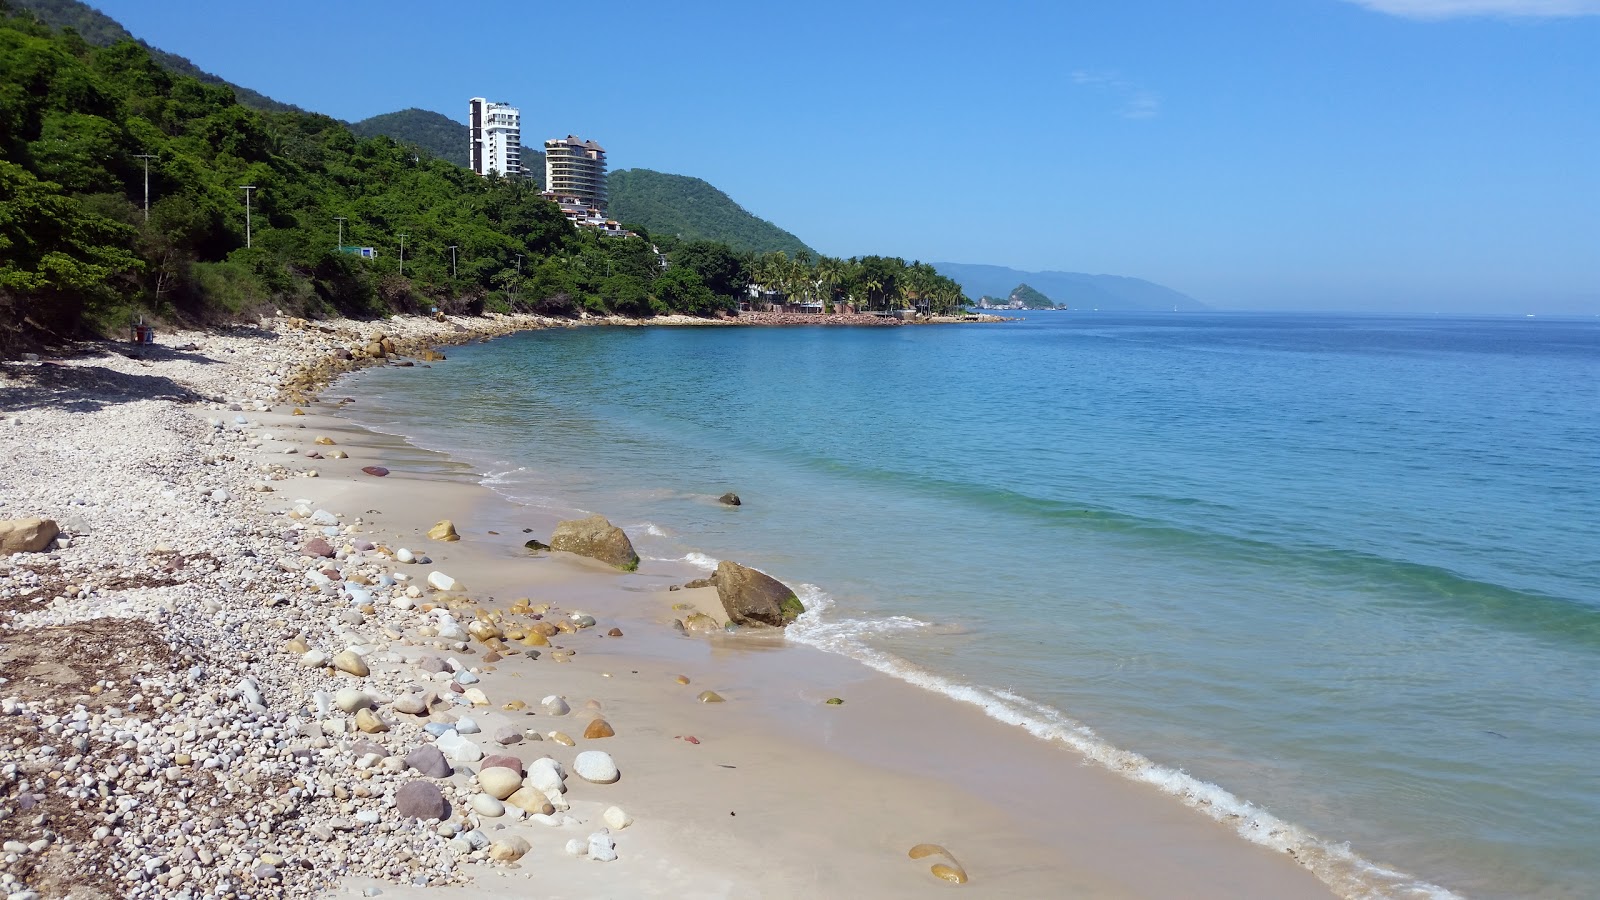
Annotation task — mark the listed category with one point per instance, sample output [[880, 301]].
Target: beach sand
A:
[[783, 795]]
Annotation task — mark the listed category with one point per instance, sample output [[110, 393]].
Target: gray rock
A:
[[431, 664], [429, 761], [421, 800], [507, 735], [730, 499], [596, 538], [755, 598]]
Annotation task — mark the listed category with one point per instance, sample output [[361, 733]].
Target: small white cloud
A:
[[1137, 102], [1452, 9]]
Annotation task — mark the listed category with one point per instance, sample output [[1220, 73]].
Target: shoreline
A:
[[835, 795]]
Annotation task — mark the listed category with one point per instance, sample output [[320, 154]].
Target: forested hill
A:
[[691, 209], [100, 30], [436, 133]]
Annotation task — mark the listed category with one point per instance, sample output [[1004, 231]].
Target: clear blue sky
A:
[[1432, 155]]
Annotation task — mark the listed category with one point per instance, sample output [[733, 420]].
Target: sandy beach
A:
[[221, 680]]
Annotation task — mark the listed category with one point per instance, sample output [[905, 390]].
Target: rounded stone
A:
[[616, 818], [508, 849], [555, 706], [709, 697], [421, 800], [351, 662], [596, 766], [368, 722], [499, 782], [350, 700], [599, 728], [530, 801], [487, 806], [428, 760]]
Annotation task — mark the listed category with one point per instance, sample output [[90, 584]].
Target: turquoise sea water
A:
[[1336, 576]]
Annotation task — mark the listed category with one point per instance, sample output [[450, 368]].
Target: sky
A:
[[1386, 155]]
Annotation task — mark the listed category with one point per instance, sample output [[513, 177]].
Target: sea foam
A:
[[1347, 873]]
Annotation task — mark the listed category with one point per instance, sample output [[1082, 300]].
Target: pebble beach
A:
[[271, 654]]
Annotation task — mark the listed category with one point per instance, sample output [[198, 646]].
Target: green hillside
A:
[[100, 30], [692, 209], [440, 135], [1030, 298]]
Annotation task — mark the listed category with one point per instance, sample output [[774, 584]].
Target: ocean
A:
[[1334, 578]]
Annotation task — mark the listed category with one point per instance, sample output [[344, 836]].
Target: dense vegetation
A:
[[690, 209], [101, 30], [78, 251]]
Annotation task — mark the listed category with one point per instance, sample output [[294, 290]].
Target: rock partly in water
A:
[[596, 538], [755, 598], [375, 471], [730, 499], [27, 535]]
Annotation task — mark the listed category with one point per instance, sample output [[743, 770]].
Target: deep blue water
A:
[[1346, 569]]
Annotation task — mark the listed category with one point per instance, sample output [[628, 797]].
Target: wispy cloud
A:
[[1453, 9], [1135, 102]]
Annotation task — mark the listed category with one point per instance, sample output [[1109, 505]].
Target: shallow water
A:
[[1345, 569]]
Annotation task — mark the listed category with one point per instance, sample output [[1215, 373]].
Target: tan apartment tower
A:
[[576, 168]]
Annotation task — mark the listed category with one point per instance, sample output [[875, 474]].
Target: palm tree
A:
[[831, 273]]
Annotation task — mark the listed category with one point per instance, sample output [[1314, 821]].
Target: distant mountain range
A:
[[1076, 290]]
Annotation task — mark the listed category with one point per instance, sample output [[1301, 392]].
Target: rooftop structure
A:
[[494, 137], [576, 168]]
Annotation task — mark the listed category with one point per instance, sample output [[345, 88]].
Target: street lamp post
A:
[[340, 220], [146, 157], [247, 189], [452, 262], [402, 254]]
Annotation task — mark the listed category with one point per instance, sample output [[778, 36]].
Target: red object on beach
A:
[[378, 471], [688, 737]]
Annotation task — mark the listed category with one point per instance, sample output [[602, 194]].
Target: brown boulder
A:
[[27, 535], [755, 598], [596, 538]]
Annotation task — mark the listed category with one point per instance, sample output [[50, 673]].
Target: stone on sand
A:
[[508, 849], [499, 782], [598, 728], [596, 766], [421, 800], [444, 530], [441, 582], [428, 760], [27, 535], [597, 538], [351, 662], [617, 818]]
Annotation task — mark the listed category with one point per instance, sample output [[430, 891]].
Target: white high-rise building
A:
[[576, 168], [495, 136]]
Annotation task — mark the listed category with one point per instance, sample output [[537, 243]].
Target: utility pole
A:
[[452, 262], [340, 220], [146, 157], [402, 254], [516, 288], [247, 189]]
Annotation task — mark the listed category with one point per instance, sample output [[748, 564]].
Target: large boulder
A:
[[28, 535], [755, 598], [421, 800], [596, 538]]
